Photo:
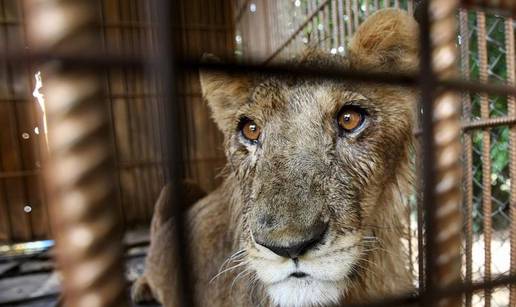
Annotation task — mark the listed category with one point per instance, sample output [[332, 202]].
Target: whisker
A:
[[229, 269], [241, 274], [232, 258]]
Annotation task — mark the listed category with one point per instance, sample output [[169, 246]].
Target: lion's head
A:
[[316, 161]]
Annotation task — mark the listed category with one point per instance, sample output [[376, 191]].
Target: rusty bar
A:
[[489, 123], [483, 123], [441, 148], [502, 6], [468, 152], [446, 138], [486, 157], [511, 105], [80, 166]]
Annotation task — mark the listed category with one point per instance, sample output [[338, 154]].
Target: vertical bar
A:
[[366, 3], [88, 241], [342, 37], [420, 220], [334, 24], [376, 4], [410, 7], [349, 18], [111, 118], [326, 22], [441, 148], [428, 199], [397, 4], [166, 13], [468, 153], [266, 23], [511, 100], [486, 157], [356, 14], [320, 27]]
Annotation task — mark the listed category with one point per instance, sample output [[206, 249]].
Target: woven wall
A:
[[135, 106]]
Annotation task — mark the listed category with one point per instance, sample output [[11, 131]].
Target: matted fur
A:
[[302, 172]]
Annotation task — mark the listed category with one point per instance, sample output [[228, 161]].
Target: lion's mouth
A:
[[298, 275]]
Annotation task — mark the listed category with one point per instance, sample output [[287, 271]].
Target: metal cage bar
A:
[[441, 152], [88, 241], [486, 155], [467, 155], [511, 104]]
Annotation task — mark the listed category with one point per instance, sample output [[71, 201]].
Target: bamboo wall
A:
[[135, 107]]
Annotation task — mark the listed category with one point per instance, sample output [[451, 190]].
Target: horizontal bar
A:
[[482, 123], [81, 59], [507, 8], [351, 75], [489, 123], [118, 60]]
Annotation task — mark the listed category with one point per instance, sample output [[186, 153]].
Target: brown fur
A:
[[302, 173]]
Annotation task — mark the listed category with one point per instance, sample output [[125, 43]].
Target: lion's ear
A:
[[387, 40], [224, 92]]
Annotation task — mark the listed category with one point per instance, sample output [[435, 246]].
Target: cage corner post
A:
[[79, 166]]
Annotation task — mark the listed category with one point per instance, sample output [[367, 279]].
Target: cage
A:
[[101, 106]]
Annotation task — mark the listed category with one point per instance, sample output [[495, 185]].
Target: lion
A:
[[313, 205]]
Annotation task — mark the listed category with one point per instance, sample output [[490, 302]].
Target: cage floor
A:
[[33, 282]]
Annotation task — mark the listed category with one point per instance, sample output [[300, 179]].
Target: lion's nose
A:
[[298, 248]]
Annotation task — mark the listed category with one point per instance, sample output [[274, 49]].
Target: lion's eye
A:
[[350, 118], [250, 130]]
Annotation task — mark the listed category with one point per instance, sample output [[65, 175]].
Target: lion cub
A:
[[311, 211]]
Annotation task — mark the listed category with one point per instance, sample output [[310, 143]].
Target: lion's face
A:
[[312, 158], [310, 185]]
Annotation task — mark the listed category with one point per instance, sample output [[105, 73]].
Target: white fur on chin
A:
[[301, 292], [326, 271]]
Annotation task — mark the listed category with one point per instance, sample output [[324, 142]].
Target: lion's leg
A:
[[141, 291]]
